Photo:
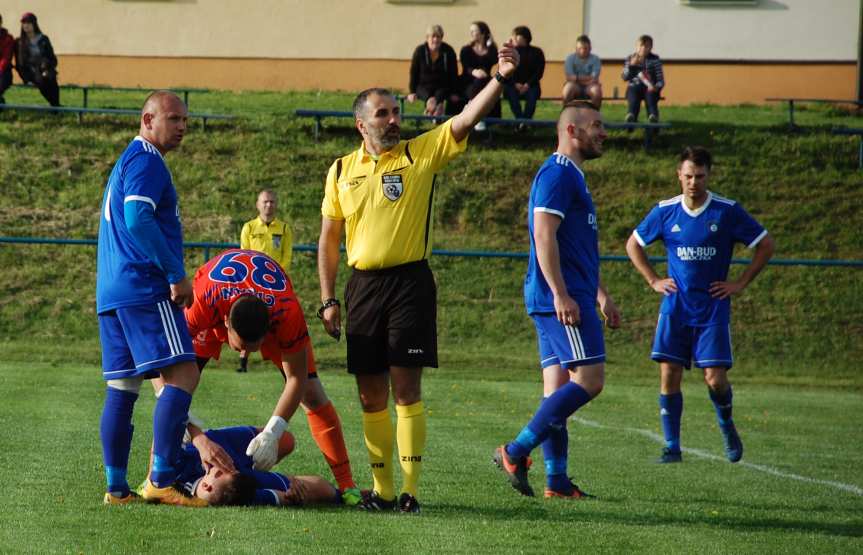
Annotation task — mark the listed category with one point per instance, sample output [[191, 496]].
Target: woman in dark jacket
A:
[[477, 59], [434, 74], [35, 59]]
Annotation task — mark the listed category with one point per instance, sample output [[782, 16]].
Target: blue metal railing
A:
[[206, 246]]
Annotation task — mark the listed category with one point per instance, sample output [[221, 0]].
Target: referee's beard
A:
[[386, 138]]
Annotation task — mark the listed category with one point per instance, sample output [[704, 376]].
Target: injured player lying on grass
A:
[[243, 485]]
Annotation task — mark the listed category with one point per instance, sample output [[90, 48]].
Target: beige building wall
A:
[[287, 29], [354, 44]]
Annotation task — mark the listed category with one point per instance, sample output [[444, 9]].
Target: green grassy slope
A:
[[804, 187]]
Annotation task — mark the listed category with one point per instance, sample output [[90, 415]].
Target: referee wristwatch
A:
[[327, 304], [498, 76]]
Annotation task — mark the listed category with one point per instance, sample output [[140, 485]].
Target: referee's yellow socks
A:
[[411, 436], [378, 431]]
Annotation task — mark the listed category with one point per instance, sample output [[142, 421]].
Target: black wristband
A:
[[327, 304], [498, 76]]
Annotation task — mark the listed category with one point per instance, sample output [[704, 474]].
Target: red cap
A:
[[28, 16]]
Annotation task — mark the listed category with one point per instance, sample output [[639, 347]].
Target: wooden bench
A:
[[650, 129], [853, 131], [109, 111], [791, 101], [604, 98], [85, 89]]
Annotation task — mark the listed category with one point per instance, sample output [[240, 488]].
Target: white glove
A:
[[264, 447]]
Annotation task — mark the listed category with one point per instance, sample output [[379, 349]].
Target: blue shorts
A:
[[234, 441], [705, 346], [139, 340], [570, 346]]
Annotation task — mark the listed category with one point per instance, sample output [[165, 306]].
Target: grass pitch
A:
[[797, 334], [797, 490]]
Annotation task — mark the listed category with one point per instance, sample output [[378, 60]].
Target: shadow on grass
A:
[[590, 511]]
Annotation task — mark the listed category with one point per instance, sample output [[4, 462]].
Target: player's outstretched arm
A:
[[264, 447], [763, 254], [309, 490], [481, 105], [328, 264], [639, 259]]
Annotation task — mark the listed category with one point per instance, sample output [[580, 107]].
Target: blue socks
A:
[[169, 421], [722, 404], [670, 411], [115, 431], [553, 411], [555, 453]]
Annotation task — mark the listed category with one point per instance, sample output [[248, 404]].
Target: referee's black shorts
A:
[[391, 318]]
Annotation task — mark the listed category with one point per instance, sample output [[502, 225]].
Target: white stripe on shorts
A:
[[575, 342], [166, 318], [173, 323]]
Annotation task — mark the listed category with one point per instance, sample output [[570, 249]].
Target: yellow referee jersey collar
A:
[[395, 151]]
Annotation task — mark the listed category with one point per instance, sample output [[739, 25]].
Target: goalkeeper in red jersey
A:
[[245, 299]]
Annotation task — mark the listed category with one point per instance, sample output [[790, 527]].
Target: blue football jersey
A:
[[190, 471], [125, 275], [699, 244], [559, 188]]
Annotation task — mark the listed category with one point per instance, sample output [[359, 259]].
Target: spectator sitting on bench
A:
[[477, 59], [35, 59], [643, 70], [525, 82], [7, 46], [434, 74], [582, 74]]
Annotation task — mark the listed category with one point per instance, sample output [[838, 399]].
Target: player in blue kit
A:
[[141, 289], [245, 485], [561, 290], [699, 230]]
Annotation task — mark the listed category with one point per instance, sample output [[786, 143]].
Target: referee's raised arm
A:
[[481, 105]]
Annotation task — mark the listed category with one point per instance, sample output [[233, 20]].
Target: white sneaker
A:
[[480, 126]]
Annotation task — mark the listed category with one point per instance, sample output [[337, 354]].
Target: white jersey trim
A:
[[698, 211], [275, 496], [149, 147], [108, 205], [757, 240], [724, 200], [140, 198], [563, 160], [638, 238], [549, 211], [670, 201]]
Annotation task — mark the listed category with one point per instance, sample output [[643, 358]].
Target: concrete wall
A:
[[772, 30], [293, 29], [354, 44]]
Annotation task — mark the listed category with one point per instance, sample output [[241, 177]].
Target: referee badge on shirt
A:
[[393, 186], [277, 241]]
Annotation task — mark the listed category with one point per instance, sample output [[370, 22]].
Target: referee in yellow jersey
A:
[[269, 235], [381, 196]]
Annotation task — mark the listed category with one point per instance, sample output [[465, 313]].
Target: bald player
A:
[[141, 290], [561, 292]]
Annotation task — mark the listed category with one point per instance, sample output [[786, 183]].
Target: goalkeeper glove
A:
[[264, 447]]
